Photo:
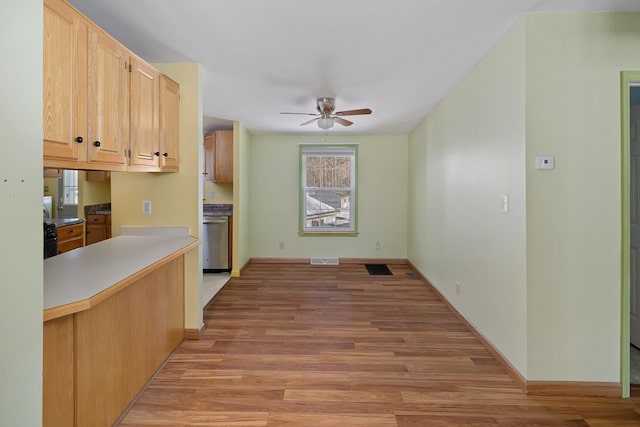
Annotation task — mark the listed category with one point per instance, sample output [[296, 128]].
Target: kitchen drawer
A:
[[96, 219], [70, 232], [70, 244]]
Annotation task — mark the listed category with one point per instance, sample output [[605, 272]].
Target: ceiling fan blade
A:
[[304, 114], [354, 112], [343, 122], [310, 121]]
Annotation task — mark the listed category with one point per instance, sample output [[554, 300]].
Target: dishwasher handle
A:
[[216, 220]]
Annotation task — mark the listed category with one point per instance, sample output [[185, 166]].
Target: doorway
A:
[[634, 228], [67, 202], [630, 196]]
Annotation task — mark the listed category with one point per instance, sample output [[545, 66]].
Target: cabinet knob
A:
[[79, 139], [157, 153], [96, 143], [165, 154]]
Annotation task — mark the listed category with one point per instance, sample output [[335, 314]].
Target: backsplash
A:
[[217, 209], [99, 209]]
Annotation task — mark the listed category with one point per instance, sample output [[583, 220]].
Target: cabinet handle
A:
[[157, 153], [79, 139], [165, 154], [96, 143]]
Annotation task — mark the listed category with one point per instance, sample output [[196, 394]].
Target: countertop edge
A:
[[108, 290]]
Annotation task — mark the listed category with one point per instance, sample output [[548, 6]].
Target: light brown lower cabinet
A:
[[58, 388], [96, 361], [98, 228], [70, 237]]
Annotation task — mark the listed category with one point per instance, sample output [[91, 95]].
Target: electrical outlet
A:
[[457, 288], [146, 207], [281, 245], [377, 246]]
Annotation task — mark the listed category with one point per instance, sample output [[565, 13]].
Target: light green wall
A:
[[382, 198], [462, 158], [573, 212], [176, 197], [561, 72], [21, 195], [242, 208]]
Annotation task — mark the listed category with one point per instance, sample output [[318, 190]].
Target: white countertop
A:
[[82, 273]]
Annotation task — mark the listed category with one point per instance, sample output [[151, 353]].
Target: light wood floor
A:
[[301, 345]]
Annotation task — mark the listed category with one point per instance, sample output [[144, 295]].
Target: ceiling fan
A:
[[326, 115]]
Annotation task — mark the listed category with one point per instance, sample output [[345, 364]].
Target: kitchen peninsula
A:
[[113, 313]]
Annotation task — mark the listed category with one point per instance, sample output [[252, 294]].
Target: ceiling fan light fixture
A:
[[325, 123]]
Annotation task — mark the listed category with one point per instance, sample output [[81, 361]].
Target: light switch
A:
[[146, 207], [504, 198], [545, 162]]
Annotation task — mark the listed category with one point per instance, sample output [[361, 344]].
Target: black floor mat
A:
[[378, 270]]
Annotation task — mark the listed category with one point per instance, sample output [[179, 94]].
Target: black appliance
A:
[[50, 240]]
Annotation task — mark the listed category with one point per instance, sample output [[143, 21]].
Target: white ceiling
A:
[[262, 57]]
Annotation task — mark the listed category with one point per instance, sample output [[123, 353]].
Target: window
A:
[[328, 189], [70, 187]]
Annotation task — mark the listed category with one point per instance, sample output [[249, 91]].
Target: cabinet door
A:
[[108, 99], [52, 173], [58, 385], [169, 124], [96, 233], [223, 157], [209, 151], [64, 81], [99, 176], [144, 143]]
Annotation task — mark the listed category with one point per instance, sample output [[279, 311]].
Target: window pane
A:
[[328, 209], [328, 172]]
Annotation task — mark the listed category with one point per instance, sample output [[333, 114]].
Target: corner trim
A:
[[194, 334], [573, 388]]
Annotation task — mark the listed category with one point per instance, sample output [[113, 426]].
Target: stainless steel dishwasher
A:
[[215, 242]]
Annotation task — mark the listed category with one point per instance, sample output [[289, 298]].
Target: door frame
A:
[[627, 79]]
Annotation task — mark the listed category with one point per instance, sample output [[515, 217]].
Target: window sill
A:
[[329, 233]]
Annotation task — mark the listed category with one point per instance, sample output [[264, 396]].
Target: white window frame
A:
[[332, 227], [70, 187]]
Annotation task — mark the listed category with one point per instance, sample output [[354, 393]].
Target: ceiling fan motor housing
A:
[[326, 105]]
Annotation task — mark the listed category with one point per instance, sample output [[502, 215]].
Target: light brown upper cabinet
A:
[[155, 120], [169, 124], [145, 142], [218, 156], [99, 176], [108, 100], [64, 83], [103, 104]]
